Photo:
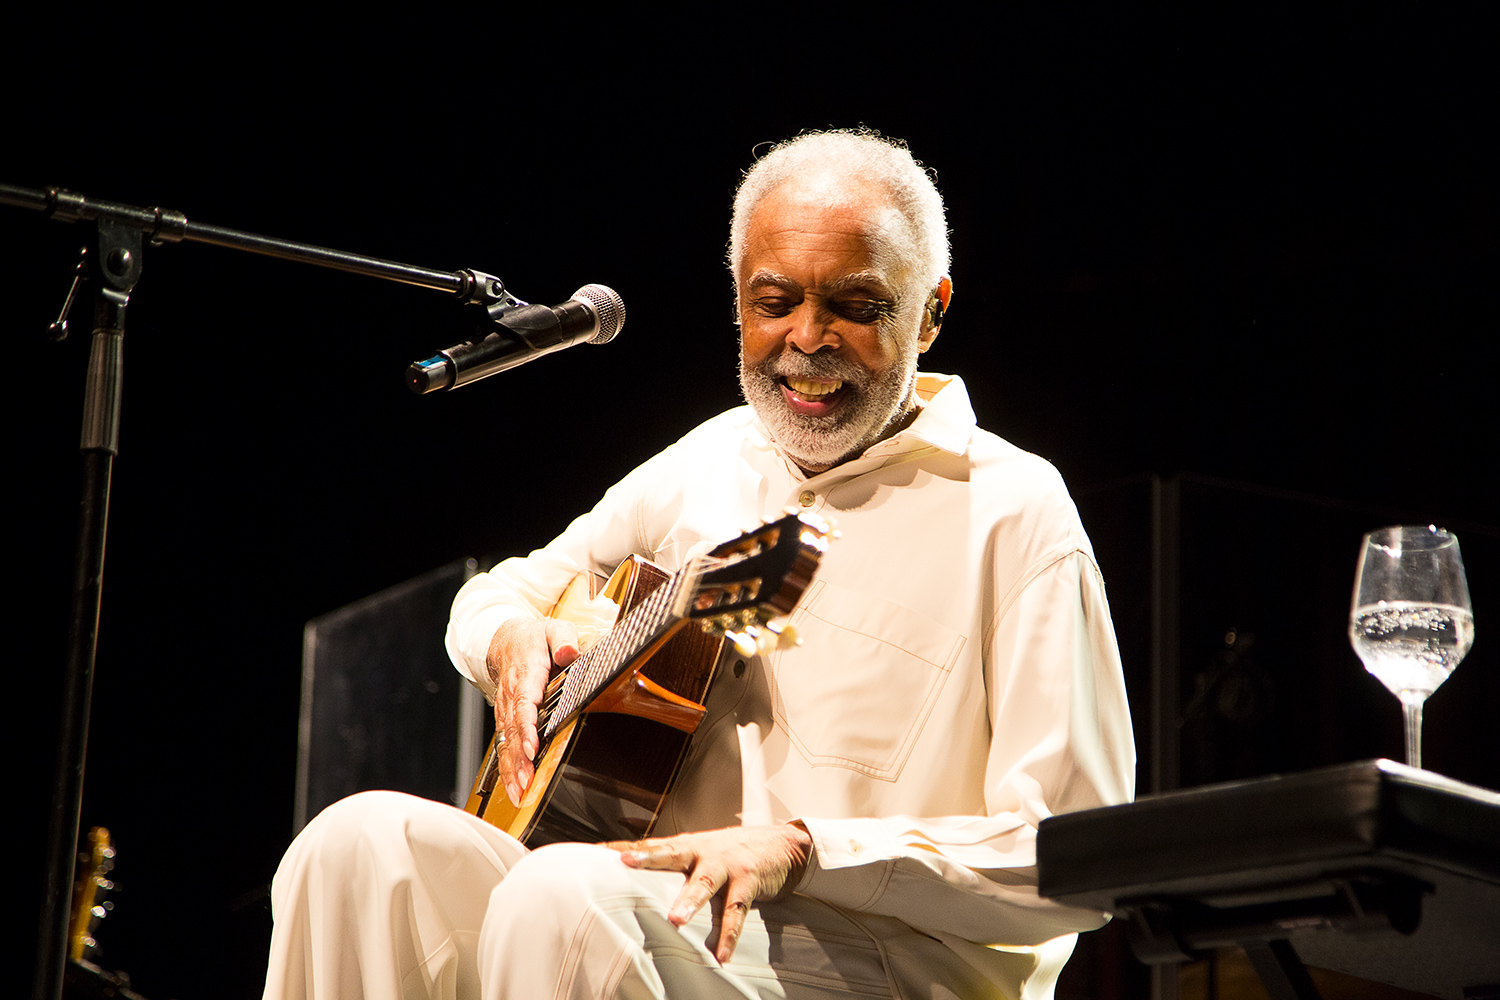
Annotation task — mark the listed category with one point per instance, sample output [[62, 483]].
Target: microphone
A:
[[515, 336]]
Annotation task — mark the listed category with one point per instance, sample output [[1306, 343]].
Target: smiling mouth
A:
[[813, 388], [811, 396]]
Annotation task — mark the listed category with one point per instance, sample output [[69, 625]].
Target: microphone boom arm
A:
[[113, 270], [161, 226]]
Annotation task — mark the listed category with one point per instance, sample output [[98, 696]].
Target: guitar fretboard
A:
[[606, 659]]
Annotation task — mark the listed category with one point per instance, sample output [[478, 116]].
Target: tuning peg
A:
[[754, 640], [783, 634], [746, 643]]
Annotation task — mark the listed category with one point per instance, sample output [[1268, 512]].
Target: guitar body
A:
[[604, 774]]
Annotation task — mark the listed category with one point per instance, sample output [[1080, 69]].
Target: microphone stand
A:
[[113, 268]]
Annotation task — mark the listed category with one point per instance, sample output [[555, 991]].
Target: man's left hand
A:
[[729, 868]]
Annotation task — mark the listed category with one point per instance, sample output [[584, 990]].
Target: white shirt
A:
[[958, 679]]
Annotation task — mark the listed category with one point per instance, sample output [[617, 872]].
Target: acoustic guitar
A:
[[614, 725]]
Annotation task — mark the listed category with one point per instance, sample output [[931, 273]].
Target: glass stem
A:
[[1412, 710]]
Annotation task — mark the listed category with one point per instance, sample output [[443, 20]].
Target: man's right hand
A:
[[522, 657]]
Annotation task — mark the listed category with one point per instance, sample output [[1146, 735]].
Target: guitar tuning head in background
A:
[[754, 640]]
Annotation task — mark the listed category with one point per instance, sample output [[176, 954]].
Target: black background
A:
[[1259, 247]]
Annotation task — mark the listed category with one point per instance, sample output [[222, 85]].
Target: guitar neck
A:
[[638, 631]]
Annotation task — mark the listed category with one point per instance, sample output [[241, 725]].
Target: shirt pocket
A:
[[858, 690]]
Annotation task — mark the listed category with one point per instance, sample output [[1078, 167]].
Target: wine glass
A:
[[1411, 621]]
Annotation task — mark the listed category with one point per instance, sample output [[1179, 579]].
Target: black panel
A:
[[380, 697]]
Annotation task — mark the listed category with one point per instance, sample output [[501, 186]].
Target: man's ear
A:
[[932, 316]]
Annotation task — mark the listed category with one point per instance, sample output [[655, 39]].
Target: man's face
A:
[[828, 331]]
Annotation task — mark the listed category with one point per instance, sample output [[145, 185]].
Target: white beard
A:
[[873, 401]]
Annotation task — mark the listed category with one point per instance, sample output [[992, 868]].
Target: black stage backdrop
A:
[[1260, 247]]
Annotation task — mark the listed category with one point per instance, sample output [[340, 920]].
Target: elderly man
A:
[[855, 817]]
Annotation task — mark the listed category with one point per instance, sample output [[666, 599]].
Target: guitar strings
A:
[[585, 677], [607, 658]]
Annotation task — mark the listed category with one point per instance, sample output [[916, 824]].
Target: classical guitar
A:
[[614, 726]]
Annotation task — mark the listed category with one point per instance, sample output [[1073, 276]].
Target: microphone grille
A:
[[608, 306]]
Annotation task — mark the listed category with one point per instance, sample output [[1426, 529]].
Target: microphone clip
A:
[[486, 290]]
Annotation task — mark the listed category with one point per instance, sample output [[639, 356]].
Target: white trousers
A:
[[386, 896]]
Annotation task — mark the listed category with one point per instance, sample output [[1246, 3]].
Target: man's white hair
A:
[[922, 246]]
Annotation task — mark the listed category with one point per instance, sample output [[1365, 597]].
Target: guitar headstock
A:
[[89, 905], [746, 584]]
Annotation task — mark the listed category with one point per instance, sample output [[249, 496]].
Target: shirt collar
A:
[[946, 420]]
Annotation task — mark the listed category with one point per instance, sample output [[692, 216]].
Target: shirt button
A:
[[806, 498], [855, 847]]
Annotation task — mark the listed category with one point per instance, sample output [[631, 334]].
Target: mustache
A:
[[823, 365]]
